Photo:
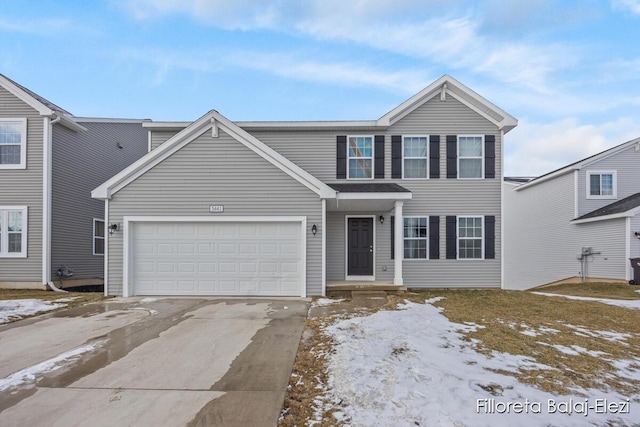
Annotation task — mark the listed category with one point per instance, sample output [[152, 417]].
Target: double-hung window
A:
[[98, 236], [360, 157], [470, 237], [415, 237], [470, 156], [415, 157], [13, 231], [601, 185], [13, 143]]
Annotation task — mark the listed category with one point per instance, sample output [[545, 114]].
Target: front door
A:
[[360, 246]]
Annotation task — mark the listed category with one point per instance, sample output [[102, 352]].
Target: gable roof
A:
[[580, 163], [445, 85], [43, 106], [213, 121], [628, 206]]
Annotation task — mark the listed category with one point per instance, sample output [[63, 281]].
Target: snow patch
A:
[[149, 300], [19, 308], [69, 299], [323, 302], [618, 302]]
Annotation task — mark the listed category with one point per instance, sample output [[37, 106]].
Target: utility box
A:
[[635, 264]]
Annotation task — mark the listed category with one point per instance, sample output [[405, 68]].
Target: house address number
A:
[[216, 208]]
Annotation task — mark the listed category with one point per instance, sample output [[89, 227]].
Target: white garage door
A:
[[216, 258]]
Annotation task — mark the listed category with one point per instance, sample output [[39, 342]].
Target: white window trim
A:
[[481, 157], [98, 237], [416, 238], [4, 235], [614, 178], [373, 155], [458, 217], [23, 143], [426, 157]]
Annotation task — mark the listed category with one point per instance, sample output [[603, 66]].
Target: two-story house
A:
[[50, 161], [217, 207], [578, 223]]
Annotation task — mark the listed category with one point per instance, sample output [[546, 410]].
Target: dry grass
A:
[[504, 315], [595, 290], [80, 298]]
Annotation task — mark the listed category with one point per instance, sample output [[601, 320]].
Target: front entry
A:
[[360, 246]]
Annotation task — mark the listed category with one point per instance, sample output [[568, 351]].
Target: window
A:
[[470, 157], [98, 237], [470, 237], [360, 157], [415, 160], [601, 185], [13, 143], [13, 231], [415, 237]]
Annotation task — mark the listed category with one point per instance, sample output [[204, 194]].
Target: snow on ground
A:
[[69, 299], [618, 302], [323, 302], [31, 373], [412, 367], [18, 308]]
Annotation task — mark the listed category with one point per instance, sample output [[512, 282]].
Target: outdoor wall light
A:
[[113, 228], [314, 229], [381, 219], [637, 234]]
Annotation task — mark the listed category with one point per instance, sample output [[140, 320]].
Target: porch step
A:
[[363, 289]]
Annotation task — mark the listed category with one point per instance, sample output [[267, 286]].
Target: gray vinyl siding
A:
[[625, 163], [81, 162], [23, 187], [542, 245], [219, 171], [431, 197], [635, 242], [158, 137]]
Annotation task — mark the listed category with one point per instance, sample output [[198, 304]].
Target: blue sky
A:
[[568, 70]]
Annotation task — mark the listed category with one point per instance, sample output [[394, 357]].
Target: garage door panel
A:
[[216, 258]]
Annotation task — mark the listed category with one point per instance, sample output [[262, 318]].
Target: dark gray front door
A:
[[360, 246]]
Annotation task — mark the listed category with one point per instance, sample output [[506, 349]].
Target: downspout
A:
[[47, 161]]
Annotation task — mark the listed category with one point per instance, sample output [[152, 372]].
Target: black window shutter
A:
[[434, 237], [489, 156], [379, 156], [452, 237], [434, 156], [452, 156], [489, 237], [393, 234], [396, 156], [341, 157]]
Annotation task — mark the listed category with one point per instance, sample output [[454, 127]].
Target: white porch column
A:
[[398, 244]]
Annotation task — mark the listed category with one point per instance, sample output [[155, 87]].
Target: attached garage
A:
[[223, 256]]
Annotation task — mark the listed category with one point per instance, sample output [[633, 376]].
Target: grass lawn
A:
[[579, 342]]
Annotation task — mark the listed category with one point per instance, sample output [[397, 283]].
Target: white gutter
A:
[[46, 198]]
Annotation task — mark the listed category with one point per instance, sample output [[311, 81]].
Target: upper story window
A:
[[415, 157], [360, 157], [13, 143], [470, 156], [470, 237], [601, 185], [98, 236], [13, 231]]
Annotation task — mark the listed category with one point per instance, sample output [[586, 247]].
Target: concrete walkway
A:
[[151, 362]]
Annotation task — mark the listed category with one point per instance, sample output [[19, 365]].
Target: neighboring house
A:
[[50, 161], [575, 223], [283, 208]]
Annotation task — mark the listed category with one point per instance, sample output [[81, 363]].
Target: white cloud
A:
[[350, 74], [414, 29], [39, 27], [533, 149], [632, 6]]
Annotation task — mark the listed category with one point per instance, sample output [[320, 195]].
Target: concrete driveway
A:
[[151, 362]]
